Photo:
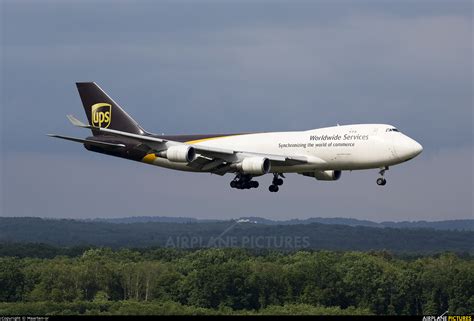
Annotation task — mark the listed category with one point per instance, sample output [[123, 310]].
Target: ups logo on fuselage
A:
[[101, 115]]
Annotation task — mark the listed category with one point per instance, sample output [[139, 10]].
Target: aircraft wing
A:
[[218, 161], [212, 159], [215, 153]]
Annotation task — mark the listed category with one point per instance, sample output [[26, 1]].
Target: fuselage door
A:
[[390, 137]]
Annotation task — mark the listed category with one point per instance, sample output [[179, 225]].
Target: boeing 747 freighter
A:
[[322, 153]]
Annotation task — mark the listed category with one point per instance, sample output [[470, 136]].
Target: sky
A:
[[236, 66]]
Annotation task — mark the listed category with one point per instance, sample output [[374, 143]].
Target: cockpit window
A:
[[392, 130]]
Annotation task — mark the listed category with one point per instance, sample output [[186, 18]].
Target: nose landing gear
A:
[[276, 182], [243, 182], [381, 181]]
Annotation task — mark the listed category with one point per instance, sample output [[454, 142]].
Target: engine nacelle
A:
[[328, 175], [254, 165], [179, 154]]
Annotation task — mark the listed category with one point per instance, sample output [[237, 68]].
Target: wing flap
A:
[[214, 150]]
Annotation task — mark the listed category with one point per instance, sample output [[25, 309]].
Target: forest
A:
[[157, 280]]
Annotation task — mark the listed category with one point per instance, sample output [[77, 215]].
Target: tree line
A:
[[236, 281], [68, 233]]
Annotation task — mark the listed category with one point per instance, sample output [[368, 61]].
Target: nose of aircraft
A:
[[407, 148]]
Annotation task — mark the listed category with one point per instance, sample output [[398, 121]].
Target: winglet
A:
[[76, 122]]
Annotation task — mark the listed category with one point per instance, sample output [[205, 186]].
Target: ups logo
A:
[[101, 115]]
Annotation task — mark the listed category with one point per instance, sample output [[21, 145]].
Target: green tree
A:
[[12, 280], [220, 284], [270, 282]]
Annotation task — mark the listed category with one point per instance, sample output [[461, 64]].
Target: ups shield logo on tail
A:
[[101, 115]]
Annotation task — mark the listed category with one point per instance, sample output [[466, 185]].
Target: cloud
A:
[[413, 71]]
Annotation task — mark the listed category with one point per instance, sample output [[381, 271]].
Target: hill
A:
[[242, 233], [462, 225]]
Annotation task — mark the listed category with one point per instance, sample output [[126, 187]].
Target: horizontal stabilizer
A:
[[87, 141], [76, 122]]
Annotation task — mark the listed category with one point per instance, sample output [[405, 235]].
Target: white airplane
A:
[[320, 153]]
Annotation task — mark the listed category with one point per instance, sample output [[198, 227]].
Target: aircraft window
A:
[[392, 130]]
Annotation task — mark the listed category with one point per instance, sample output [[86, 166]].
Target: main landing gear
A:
[[276, 182], [381, 181], [243, 182]]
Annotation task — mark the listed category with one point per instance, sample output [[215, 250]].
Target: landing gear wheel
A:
[[276, 182], [243, 182], [273, 188]]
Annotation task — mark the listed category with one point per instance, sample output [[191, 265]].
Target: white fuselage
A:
[[348, 147]]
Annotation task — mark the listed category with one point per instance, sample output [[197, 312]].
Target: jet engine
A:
[[179, 154], [254, 165], [329, 175]]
